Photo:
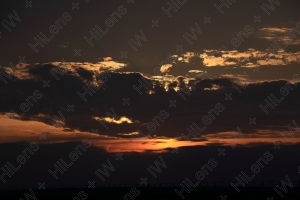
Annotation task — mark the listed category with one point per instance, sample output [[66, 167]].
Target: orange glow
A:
[[15, 130]]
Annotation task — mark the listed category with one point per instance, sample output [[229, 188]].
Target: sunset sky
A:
[[181, 80]]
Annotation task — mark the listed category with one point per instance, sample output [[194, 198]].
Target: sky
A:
[[116, 92]]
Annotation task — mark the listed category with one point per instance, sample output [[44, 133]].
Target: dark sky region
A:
[[119, 91]]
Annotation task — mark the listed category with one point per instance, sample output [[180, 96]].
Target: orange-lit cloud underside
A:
[[30, 131]]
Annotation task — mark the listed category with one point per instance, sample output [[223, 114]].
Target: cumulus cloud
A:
[[142, 115], [213, 58], [212, 64], [79, 69]]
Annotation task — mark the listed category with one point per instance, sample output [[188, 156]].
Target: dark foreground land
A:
[[158, 191]]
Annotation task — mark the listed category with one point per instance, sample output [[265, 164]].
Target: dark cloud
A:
[[85, 73], [145, 108]]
